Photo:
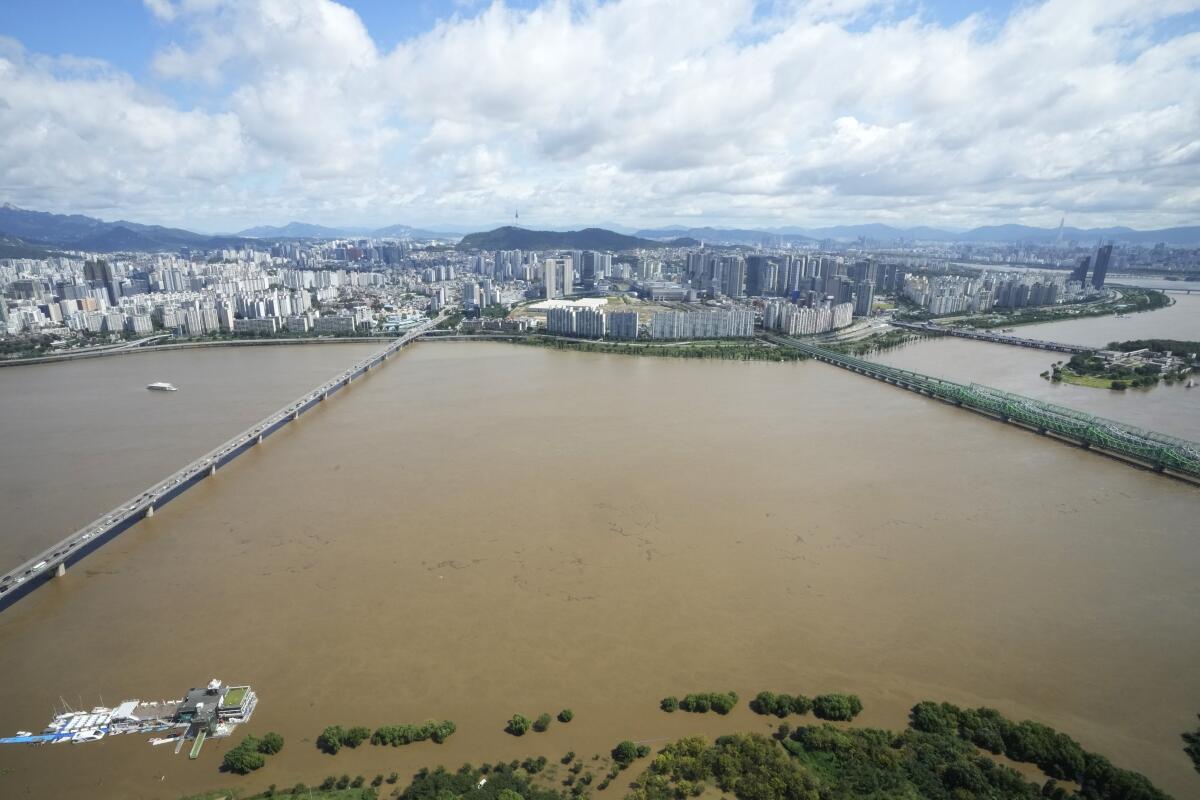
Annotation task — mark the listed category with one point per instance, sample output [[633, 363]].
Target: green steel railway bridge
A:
[[1165, 454]]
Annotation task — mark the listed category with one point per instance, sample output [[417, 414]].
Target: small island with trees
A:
[[1137, 363]]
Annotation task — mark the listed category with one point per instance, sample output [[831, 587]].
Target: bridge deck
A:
[[31, 574], [998, 338]]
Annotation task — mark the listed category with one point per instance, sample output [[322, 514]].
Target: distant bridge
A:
[[1166, 454], [55, 560], [998, 338]]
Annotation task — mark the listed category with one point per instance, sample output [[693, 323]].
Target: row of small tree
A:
[[519, 725], [720, 702], [335, 737], [838, 707]]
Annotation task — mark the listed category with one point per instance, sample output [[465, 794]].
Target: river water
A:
[[1169, 409], [81, 437], [481, 529]]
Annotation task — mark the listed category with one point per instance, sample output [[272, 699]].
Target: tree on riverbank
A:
[[781, 705], [244, 758], [702, 702], [838, 707]]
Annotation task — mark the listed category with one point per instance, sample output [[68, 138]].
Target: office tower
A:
[[695, 268], [549, 276], [864, 296], [733, 269], [757, 268], [1081, 270], [1101, 271], [587, 267], [470, 294], [568, 276], [99, 275]]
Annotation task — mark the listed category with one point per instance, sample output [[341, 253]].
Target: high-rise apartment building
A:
[[733, 272], [717, 324], [1081, 269], [864, 297], [622, 325]]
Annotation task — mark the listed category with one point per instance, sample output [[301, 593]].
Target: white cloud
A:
[[632, 110]]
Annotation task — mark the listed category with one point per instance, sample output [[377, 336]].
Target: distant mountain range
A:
[[886, 233], [511, 238], [747, 236], [304, 230], [40, 229], [25, 233]]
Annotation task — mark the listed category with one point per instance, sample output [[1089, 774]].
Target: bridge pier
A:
[[259, 440], [212, 470], [296, 414], [149, 511], [325, 395], [61, 570]]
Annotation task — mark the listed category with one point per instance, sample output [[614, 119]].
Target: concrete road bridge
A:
[[988, 336], [1159, 452], [53, 561]]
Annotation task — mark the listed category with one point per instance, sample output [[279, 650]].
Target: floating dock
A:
[[211, 711]]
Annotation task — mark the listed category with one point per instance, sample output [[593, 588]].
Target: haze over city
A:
[[218, 116]]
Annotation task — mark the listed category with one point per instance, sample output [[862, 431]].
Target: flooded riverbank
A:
[[481, 529]]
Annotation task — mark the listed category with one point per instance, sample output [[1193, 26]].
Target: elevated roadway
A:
[[988, 336], [54, 560]]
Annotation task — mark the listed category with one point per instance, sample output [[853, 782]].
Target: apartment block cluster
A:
[[796, 320], [169, 293], [790, 275], [704, 324], [954, 294], [562, 273], [590, 323]]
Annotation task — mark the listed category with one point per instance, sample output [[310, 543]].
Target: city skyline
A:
[[216, 116]]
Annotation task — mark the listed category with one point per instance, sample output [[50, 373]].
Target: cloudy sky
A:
[[220, 114]]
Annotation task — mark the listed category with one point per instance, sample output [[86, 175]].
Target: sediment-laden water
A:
[[481, 529]]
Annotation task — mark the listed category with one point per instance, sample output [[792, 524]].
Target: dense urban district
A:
[[731, 286]]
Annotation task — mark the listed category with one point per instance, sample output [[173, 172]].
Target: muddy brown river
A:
[[481, 529]]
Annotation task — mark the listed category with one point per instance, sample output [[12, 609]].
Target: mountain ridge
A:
[[27, 231], [509, 237]]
